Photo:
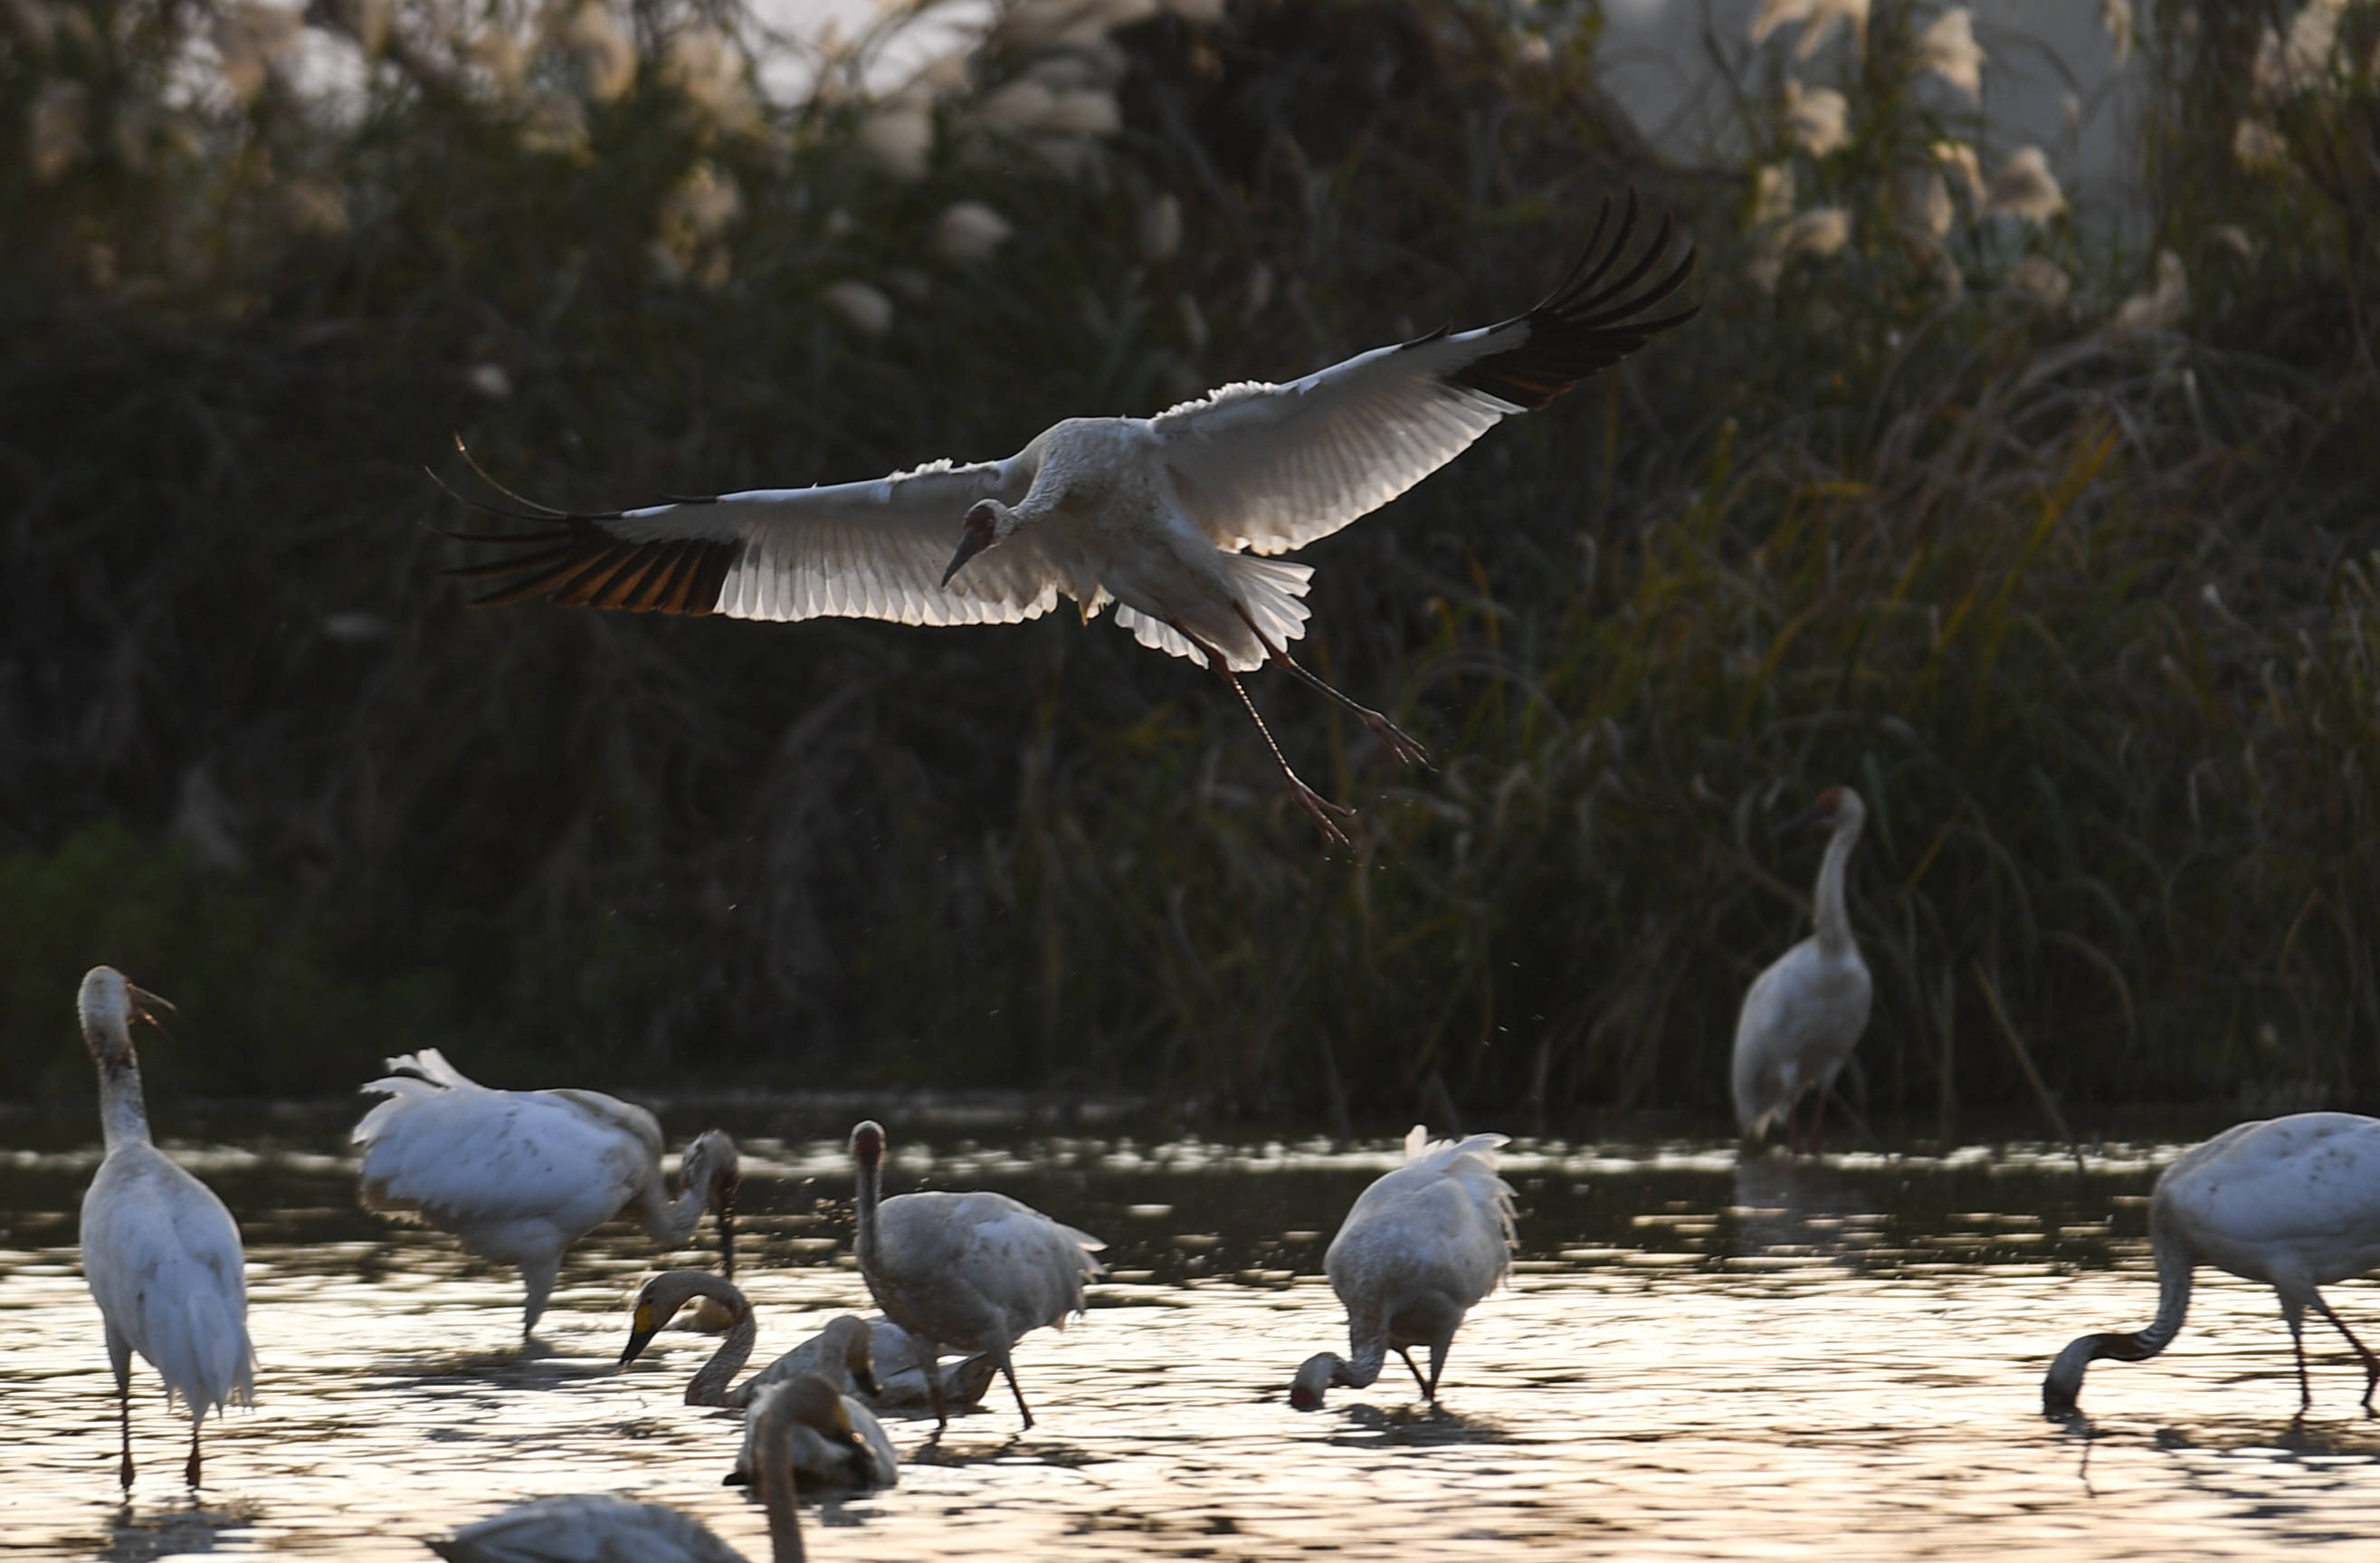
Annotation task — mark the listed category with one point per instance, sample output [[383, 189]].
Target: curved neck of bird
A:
[[123, 1109], [671, 1221], [709, 1385], [1363, 1370], [1833, 917], [2173, 1265]]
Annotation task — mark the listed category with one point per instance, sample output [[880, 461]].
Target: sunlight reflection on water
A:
[[1695, 1358]]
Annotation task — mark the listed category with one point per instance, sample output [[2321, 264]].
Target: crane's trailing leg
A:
[[930, 1357], [1402, 746], [1318, 808], [2293, 1312], [2370, 1365], [1419, 1382], [1009, 1373], [190, 1470], [124, 1419]]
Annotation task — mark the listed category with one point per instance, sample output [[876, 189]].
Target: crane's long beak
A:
[[142, 1000], [976, 540], [1815, 813]]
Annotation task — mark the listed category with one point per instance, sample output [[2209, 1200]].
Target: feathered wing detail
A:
[[1268, 468], [506, 1171], [873, 550], [164, 1260]]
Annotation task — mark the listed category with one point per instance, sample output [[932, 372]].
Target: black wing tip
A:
[[574, 560]]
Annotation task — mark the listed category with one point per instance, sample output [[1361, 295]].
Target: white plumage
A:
[[1803, 1016], [161, 1253], [1421, 1246], [2291, 1201], [1161, 516], [611, 1530], [519, 1176], [974, 1271]]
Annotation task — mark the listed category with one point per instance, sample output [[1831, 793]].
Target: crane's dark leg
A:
[[1818, 1123], [2293, 1312], [1419, 1382], [1008, 1371], [190, 1471], [120, 1357], [929, 1358], [1399, 743], [2370, 1363], [1318, 808]]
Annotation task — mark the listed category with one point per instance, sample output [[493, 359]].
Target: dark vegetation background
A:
[[2088, 613]]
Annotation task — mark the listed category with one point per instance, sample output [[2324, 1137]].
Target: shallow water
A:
[[1695, 1358]]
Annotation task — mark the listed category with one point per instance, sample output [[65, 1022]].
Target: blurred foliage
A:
[[1945, 496]]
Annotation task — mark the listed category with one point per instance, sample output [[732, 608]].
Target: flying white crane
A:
[[611, 1530], [1421, 1246], [1803, 1016], [519, 1176], [840, 1355], [971, 1270], [159, 1250], [1164, 517], [2291, 1201]]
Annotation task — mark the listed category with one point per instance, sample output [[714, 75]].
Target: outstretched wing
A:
[[1273, 468], [864, 551]]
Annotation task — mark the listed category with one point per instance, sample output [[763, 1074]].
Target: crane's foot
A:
[[1320, 809], [1400, 745]]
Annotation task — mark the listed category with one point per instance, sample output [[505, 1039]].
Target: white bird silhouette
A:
[[974, 1271], [1162, 516], [519, 1176], [839, 1354], [1419, 1248], [611, 1530], [159, 1250], [1803, 1016], [2291, 1201]]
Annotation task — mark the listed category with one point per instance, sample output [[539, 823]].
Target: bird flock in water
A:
[[1167, 519]]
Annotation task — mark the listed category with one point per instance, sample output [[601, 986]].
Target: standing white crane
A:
[[1420, 1246], [611, 1530], [1161, 517], [519, 1176], [2291, 1201], [1803, 1016], [974, 1271], [840, 1355], [159, 1250]]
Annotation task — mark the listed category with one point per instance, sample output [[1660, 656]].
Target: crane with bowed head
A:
[[519, 1176], [161, 1253], [1423, 1244], [1803, 1016], [2291, 1201], [1172, 520]]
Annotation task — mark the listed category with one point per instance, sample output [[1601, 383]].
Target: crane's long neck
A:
[[1833, 917], [671, 1221], [2174, 1262], [868, 1243], [123, 1109], [1363, 1370], [708, 1387]]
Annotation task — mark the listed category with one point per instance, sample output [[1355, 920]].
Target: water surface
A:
[[1698, 1357]]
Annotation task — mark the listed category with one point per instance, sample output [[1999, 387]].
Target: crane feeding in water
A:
[[160, 1252], [1803, 1016], [840, 1354], [974, 1271], [519, 1176], [611, 1529], [1169, 519], [1420, 1246], [2291, 1201]]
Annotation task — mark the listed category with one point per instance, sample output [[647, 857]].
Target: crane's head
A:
[[710, 1164], [108, 1005], [807, 1401], [868, 1144], [1315, 1375], [1830, 809], [988, 522]]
